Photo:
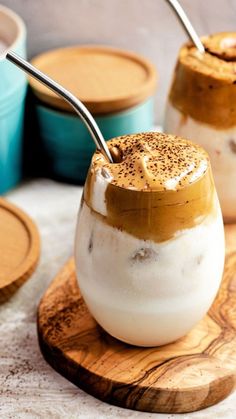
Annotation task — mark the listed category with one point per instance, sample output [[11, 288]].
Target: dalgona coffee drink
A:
[[150, 240], [201, 107]]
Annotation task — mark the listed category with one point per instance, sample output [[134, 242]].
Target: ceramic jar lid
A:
[[19, 248], [105, 79]]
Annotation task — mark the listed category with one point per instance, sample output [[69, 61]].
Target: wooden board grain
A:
[[19, 248], [195, 372]]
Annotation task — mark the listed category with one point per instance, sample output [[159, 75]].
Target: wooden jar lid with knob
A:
[[106, 80]]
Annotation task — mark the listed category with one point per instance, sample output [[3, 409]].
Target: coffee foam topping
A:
[[204, 85], [152, 162], [219, 59], [157, 186]]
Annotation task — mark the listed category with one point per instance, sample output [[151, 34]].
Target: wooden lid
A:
[[104, 79], [19, 248]]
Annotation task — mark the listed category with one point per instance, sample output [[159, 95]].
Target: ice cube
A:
[[144, 254]]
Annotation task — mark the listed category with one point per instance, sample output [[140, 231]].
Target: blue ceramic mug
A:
[[12, 100]]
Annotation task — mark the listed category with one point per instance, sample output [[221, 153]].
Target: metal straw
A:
[[78, 106], [184, 20]]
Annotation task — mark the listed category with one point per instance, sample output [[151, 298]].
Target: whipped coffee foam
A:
[[153, 162], [157, 171], [204, 85]]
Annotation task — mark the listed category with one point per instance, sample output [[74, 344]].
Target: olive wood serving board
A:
[[195, 372]]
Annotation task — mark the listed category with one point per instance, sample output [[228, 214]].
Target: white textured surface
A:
[[29, 388]]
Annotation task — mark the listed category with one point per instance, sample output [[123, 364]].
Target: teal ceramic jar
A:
[[12, 99], [117, 87], [69, 145]]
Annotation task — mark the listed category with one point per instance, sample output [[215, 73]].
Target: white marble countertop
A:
[[29, 387]]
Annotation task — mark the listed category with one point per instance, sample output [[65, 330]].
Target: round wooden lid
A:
[[19, 248], [104, 79]]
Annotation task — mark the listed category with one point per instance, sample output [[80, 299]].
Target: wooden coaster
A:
[[19, 248], [195, 372], [104, 79]]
